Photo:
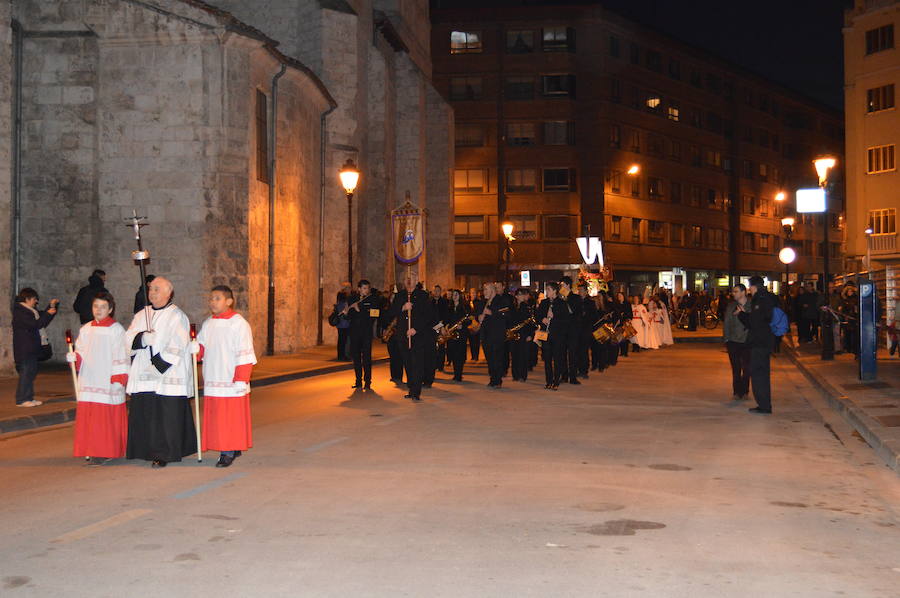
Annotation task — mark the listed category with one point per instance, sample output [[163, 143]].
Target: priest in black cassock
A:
[[160, 381]]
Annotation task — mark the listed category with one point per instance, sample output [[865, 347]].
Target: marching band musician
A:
[[396, 343], [574, 306], [413, 329], [586, 340], [493, 332], [558, 325], [358, 312], [625, 315], [600, 351], [520, 349], [457, 310], [476, 305], [441, 307], [544, 315]]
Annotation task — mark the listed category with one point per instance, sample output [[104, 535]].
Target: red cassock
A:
[[101, 419], [228, 358]]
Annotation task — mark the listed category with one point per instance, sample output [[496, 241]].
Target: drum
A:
[[601, 334], [628, 330], [611, 331]]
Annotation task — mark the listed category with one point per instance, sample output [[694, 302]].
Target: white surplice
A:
[[171, 329]]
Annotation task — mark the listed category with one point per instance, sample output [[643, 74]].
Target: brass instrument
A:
[[512, 334], [451, 333], [475, 327], [388, 332], [604, 333]]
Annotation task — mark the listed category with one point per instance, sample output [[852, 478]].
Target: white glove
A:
[[241, 388], [148, 339], [71, 357], [195, 347]]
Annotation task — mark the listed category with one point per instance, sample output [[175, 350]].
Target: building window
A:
[[635, 141], [656, 231], [711, 198], [675, 232], [520, 134], [727, 164], [880, 159], [520, 41], [635, 53], [655, 145], [696, 236], [558, 179], [653, 60], [558, 39], [558, 85], [524, 227], [616, 227], [764, 243], [880, 39], [519, 88], [636, 230], [673, 112], [614, 181], [763, 172], [883, 222], [696, 79], [763, 206], [715, 238], [559, 132], [654, 187], [713, 158], [764, 138], [675, 191], [653, 102], [713, 122], [696, 195], [469, 136], [469, 180], [615, 136], [615, 49], [675, 69], [635, 186], [558, 227], [262, 137], [696, 159], [469, 227], [747, 167], [749, 205], [880, 98], [748, 241], [696, 118], [465, 42], [465, 88], [520, 179], [675, 150]]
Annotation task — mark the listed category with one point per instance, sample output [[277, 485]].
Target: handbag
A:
[[334, 318], [45, 353]]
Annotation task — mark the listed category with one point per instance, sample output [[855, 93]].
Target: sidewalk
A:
[[54, 385], [872, 408]]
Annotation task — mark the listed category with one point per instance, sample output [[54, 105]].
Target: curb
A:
[[43, 420], [866, 426]]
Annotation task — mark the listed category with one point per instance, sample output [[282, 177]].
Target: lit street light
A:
[[633, 169], [823, 166], [780, 196], [507, 228], [349, 175], [787, 255]]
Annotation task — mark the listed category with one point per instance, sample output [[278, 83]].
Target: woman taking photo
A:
[[30, 344]]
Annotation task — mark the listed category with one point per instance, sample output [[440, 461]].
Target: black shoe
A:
[[548, 386], [237, 454], [367, 386], [224, 461], [357, 385], [457, 378], [158, 464], [97, 461], [574, 381], [554, 387], [408, 396], [426, 386], [759, 410], [416, 399]]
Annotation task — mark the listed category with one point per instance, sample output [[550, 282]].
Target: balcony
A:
[[882, 244]]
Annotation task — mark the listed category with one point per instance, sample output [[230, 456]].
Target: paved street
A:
[[644, 481]]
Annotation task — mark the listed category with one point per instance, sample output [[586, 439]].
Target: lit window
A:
[[558, 38], [672, 112], [465, 42], [653, 102], [880, 98], [469, 180], [524, 227], [883, 222], [471, 227], [880, 159], [520, 179]]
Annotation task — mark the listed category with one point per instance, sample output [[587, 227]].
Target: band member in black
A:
[[560, 332], [396, 342], [493, 332], [586, 341], [573, 302], [440, 308], [520, 349], [431, 349], [476, 305], [544, 317], [625, 315], [600, 351], [458, 310], [412, 328], [358, 311]]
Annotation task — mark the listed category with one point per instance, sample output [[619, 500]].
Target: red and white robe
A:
[[226, 347], [101, 419]]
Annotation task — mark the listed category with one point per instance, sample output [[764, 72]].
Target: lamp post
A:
[[787, 255], [507, 228], [869, 232], [823, 165], [349, 175]]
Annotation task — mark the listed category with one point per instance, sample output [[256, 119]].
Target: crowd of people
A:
[[572, 332]]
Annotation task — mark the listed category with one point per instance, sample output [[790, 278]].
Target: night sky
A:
[[797, 43]]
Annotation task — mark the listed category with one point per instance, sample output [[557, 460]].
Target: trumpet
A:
[[451, 333], [512, 334], [388, 332]]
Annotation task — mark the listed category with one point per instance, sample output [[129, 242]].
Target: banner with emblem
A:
[[408, 232]]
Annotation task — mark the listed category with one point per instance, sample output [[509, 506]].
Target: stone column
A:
[[439, 158], [6, 132]]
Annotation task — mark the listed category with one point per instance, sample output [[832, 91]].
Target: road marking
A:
[[209, 485], [322, 445], [391, 420], [90, 530]]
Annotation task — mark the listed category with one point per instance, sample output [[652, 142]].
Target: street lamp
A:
[[823, 165], [780, 196], [507, 228], [869, 232], [349, 175], [787, 255], [633, 169]]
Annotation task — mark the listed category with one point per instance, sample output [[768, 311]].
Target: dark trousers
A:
[[547, 355], [343, 335], [474, 345], [456, 351], [441, 358], [739, 356], [612, 354], [759, 376], [777, 347], [583, 348], [414, 361], [429, 348], [27, 369], [361, 352], [623, 348], [805, 329], [532, 355], [493, 353], [521, 353], [572, 354], [395, 352], [560, 347], [599, 356], [692, 320]]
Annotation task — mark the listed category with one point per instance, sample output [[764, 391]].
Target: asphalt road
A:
[[644, 481]]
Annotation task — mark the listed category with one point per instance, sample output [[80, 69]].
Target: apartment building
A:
[[575, 117]]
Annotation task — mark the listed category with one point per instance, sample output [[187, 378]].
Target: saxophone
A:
[[388, 332], [451, 333], [512, 334]]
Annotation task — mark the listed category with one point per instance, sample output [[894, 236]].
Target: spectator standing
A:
[[30, 344], [760, 338], [84, 300], [736, 343]]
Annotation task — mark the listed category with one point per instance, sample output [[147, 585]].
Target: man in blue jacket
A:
[[761, 340]]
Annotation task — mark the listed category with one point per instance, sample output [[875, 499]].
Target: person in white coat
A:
[[661, 322]]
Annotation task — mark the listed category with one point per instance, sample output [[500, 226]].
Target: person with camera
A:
[[30, 344]]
